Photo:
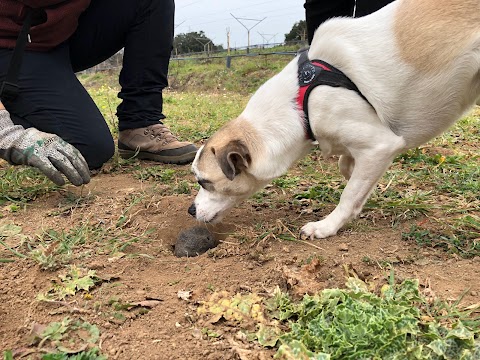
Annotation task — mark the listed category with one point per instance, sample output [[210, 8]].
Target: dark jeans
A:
[[318, 11], [53, 100]]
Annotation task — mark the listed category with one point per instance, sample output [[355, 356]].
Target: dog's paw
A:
[[318, 230]]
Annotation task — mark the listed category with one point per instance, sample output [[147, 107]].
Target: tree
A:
[[298, 32], [193, 42]]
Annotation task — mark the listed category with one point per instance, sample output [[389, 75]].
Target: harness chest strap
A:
[[313, 73]]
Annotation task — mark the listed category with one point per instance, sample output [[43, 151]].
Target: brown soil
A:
[[243, 262]]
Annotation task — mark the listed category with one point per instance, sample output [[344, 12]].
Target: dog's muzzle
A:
[[192, 210]]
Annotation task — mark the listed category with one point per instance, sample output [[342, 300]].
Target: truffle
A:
[[194, 241]]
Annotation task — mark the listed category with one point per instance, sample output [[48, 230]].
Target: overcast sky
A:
[[213, 17]]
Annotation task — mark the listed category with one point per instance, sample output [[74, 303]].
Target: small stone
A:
[[474, 293], [343, 247], [197, 333], [194, 241]]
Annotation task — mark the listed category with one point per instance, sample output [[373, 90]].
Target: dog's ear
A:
[[233, 158]]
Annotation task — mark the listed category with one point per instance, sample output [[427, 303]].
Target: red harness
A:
[[312, 73]]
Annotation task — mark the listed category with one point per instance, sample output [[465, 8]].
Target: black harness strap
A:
[[313, 73], [10, 89]]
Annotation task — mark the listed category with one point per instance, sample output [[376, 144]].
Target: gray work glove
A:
[[47, 152]]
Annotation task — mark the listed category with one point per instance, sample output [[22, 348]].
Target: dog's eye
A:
[[206, 184]]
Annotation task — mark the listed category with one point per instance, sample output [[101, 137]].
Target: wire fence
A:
[[287, 49]]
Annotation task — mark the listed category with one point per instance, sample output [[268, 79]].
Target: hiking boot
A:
[[155, 142]]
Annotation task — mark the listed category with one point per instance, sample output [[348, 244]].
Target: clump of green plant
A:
[[461, 238], [72, 282], [157, 173], [67, 339], [286, 182], [23, 184], [354, 323], [53, 248], [13, 233], [328, 193]]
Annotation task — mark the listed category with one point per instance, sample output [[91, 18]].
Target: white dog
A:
[[407, 73]]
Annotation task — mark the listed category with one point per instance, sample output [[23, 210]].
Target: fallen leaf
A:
[[37, 329], [301, 281]]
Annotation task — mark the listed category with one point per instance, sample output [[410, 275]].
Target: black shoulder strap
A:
[[335, 78], [312, 73], [9, 89]]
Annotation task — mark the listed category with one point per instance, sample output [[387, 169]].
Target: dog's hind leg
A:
[[370, 164], [346, 164]]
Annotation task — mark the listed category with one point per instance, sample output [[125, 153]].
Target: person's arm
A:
[[47, 152]]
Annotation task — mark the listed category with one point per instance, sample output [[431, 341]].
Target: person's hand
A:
[[48, 152]]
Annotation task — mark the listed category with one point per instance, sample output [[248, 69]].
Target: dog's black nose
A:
[[192, 210]]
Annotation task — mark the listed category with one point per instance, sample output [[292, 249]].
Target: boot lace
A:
[[161, 133]]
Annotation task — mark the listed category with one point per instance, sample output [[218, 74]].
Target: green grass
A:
[[55, 248], [461, 238], [22, 184], [244, 77]]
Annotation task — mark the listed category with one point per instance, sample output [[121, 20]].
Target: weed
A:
[[92, 354], [107, 101], [56, 248], [355, 323], [367, 260], [313, 259], [321, 193], [22, 184], [183, 187], [72, 201], [74, 281], [69, 338], [117, 309], [286, 182], [13, 234], [156, 173], [464, 241], [352, 323], [210, 333]]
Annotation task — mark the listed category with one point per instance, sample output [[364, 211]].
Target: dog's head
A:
[[222, 168]]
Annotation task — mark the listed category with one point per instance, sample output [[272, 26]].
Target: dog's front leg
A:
[[369, 167]]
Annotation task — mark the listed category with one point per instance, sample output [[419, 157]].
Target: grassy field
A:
[[430, 194]]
